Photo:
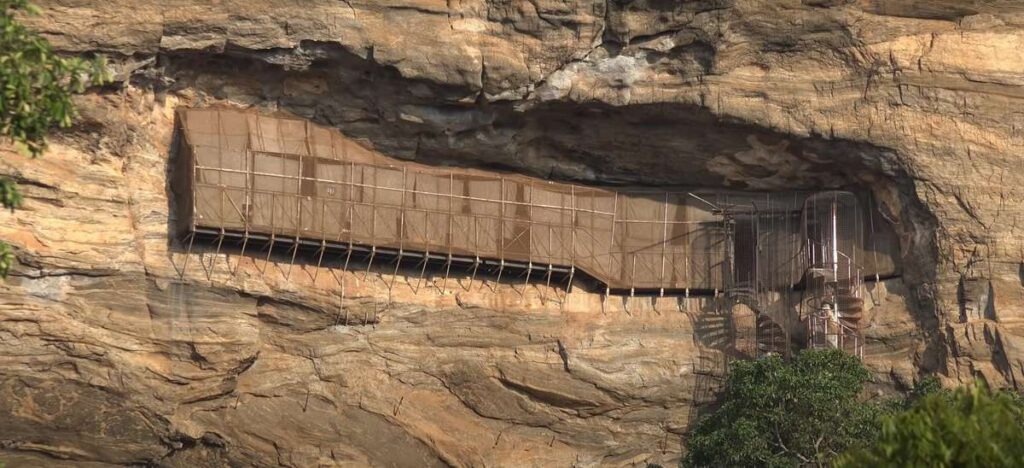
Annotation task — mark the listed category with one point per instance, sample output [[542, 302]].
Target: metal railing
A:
[[825, 332], [573, 240], [841, 280]]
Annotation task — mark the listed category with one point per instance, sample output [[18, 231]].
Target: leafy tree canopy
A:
[[37, 83], [777, 413], [36, 86], [968, 427]]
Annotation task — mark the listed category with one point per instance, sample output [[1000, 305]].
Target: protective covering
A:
[[250, 174]]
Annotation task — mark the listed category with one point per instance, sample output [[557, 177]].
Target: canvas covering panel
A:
[[287, 177]]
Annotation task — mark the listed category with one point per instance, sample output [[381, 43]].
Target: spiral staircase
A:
[[835, 309], [771, 337]]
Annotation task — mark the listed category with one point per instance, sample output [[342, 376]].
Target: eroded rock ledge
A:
[[112, 355]]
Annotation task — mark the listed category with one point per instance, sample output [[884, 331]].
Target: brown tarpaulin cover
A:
[[289, 178]]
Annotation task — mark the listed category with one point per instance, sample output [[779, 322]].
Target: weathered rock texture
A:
[[116, 349]]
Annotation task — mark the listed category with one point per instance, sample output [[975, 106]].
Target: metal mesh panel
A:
[[286, 177]]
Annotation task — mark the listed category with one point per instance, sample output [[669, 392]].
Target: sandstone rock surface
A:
[[117, 347]]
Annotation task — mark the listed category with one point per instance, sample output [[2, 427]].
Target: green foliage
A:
[[6, 259], [777, 413], [10, 199], [36, 86], [970, 427], [929, 385], [9, 196], [807, 412]]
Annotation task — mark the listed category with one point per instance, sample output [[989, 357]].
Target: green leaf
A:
[[36, 88], [6, 262], [779, 413], [37, 84], [969, 427]]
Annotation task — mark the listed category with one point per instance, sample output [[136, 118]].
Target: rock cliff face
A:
[[118, 347]]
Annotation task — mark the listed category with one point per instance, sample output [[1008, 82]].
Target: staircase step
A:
[[849, 300]]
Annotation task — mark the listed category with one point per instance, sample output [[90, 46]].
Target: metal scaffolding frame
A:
[[833, 232], [280, 181]]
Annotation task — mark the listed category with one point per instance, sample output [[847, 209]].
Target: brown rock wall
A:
[[113, 352]]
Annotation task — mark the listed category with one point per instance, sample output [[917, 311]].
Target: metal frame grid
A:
[[285, 180], [253, 175]]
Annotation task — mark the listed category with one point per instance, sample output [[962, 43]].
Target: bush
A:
[[777, 413], [970, 427]]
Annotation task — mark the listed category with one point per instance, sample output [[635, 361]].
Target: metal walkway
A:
[[252, 179]]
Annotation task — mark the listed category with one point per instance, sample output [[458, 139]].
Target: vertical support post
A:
[[220, 241], [322, 201], [245, 242], [373, 223], [319, 261], [794, 253], [572, 226], [401, 233], [295, 251], [756, 248], [476, 244], [373, 248], [298, 203], [394, 274], [428, 242], [615, 212], [373, 212], [835, 239], [632, 278], [348, 256], [526, 284], [249, 188], [351, 209], [611, 237], [501, 268], [500, 235], [476, 264], [529, 247], [501, 221], [551, 241], [664, 244], [369, 264], [273, 230], [401, 211], [270, 249], [188, 253], [447, 270], [423, 270], [543, 296], [451, 217], [223, 194]]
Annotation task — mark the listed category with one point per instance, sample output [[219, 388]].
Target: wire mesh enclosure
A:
[[248, 175], [833, 229]]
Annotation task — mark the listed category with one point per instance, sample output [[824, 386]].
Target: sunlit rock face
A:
[[119, 346]]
